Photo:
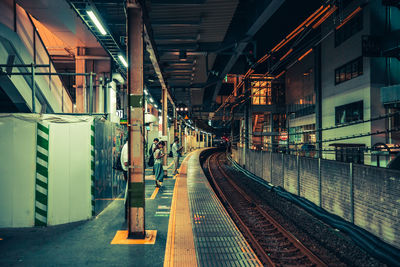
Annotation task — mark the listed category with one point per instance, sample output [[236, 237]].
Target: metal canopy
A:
[[190, 45], [184, 36]]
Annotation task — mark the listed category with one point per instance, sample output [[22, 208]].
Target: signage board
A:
[[283, 136]]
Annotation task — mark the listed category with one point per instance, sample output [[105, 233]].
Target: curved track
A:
[[272, 243]]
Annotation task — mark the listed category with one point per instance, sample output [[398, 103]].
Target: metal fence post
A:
[[319, 182], [262, 164], [270, 165], [283, 171], [298, 174], [351, 176], [91, 93]]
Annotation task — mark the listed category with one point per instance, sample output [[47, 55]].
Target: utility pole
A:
[[136, 131], [318, 98]]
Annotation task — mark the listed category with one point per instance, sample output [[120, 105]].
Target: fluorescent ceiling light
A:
[[96, 22], [145, 92], [151, 100], [122, 59], [155, 105]]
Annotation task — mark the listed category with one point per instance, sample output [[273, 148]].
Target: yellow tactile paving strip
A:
[[180, 249], [121, 238]]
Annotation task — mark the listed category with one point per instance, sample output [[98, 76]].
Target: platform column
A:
[[165, 122], [80, 81], [186, 139], [136, 219]]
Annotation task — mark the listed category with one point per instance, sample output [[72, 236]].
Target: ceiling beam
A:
[[177, 2], [160, 23], [150, 47], [179, 63], [270, 9]]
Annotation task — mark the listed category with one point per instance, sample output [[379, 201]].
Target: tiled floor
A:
[[202, 231]]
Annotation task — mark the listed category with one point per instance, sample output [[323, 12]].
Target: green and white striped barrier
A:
[[92, 165], [42, 174]]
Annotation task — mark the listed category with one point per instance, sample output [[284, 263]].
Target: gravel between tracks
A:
[[332, 246]]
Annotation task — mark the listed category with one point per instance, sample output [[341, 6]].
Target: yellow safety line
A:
[[169, 249], [153, 196]]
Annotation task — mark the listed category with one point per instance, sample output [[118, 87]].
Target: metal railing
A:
[[26, 30]]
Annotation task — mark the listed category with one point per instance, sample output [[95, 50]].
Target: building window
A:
[[261, 92], [349, 71], [350, 153], [351, 27], [350, 112]]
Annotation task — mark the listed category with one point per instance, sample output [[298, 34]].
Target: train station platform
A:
[[192, 229]]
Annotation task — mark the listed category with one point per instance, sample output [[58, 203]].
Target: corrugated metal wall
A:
[[109, 182]]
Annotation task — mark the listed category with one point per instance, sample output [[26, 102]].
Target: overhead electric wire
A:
[[305, 24]]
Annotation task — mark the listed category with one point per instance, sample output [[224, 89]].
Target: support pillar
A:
[[80, 82], [136, 219], [180, 133], [186, 139], [318, 99], [175, 122], [198, 138], [165, 123]]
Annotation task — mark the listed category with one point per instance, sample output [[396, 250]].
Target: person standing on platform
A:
[[158, 163], [152, 148], [124, 160], [124, 165], [176, 152]]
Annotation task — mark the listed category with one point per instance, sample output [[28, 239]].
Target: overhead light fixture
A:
[[186, 109], [96, 22], [155, 105], [151, 100], [122, 59], [145, 92]]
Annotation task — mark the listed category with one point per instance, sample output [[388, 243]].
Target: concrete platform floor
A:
[[88, 243]]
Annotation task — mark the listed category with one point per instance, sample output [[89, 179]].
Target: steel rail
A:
[[312, 257], [259, 249], [291, 238]]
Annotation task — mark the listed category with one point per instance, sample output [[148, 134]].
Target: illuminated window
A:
[[261, 92]]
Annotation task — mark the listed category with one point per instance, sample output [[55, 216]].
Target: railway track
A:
[[272, 243]]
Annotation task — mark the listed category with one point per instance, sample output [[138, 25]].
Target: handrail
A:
[[28, 34], [48, 55]]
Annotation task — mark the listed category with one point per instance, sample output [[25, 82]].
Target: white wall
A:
[[69, 173], [69, 179], [347, 92], [17, 172]]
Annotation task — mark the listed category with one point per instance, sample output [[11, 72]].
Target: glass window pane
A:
[[348, 72]]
